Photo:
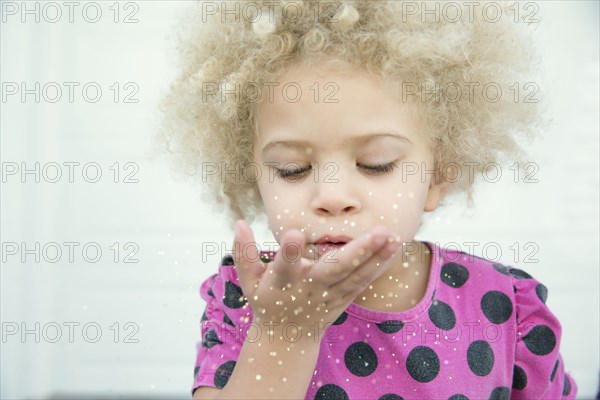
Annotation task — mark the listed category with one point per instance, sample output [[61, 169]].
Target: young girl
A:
[[342, 123]]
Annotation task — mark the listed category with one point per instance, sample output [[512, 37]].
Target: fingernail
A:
[[379, 240]]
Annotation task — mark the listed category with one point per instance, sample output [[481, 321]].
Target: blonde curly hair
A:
[[244, 43]]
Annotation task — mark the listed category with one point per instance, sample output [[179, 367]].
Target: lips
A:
[[329, 243], [338, 239]]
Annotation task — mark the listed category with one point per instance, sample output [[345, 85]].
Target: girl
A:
[[342, 123]]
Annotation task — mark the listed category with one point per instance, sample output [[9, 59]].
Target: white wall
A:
[[158, 296]]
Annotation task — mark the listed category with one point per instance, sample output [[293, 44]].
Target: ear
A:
[[436, 193]]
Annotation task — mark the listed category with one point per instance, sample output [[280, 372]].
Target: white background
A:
[[164, 217]]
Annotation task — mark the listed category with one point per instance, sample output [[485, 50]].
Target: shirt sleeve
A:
[[224, 326], [539, 371]]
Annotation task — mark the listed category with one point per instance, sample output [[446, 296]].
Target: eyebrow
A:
[[354, 139]]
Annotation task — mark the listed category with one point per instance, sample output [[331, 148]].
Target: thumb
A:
[[246, 258]]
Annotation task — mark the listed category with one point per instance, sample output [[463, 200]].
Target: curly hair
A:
[[469, 73]]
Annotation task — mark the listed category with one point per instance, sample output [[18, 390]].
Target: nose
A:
[[335, 195]]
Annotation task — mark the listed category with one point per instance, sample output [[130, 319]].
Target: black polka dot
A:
[[331, 392], [458, 397], [227, 320], [211, 293], [442, 315], [480, 357], [519, 273], [360, 359], [503, 269], [223, 373], [340, 320], [553, 375], [390, 326], [542, 292], [500, 393], [514, 289], [496, 306], [196, 370], [423, 364], [204, 316], [567, 387], [227, 260], [233, 297], [540, 340], [391, 396], [454, 275], [519, 378], [211, 339]]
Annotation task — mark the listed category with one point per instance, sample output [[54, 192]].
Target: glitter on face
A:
[[411, 195]]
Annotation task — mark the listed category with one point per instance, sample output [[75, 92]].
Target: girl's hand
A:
[[295, 289]]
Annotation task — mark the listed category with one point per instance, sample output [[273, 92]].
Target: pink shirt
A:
[[482, 331]]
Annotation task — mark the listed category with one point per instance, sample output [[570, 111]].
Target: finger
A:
[[373, 268], [336, 266], [246, 258], [289, 266]]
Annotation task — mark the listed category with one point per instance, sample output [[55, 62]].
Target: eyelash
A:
[[381, 168]]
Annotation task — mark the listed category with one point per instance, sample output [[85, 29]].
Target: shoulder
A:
[[456, 267]]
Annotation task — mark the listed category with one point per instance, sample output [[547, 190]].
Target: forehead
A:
[[317, 105]]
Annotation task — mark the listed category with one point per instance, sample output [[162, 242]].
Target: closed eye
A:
[[382, 168], [297, 172]]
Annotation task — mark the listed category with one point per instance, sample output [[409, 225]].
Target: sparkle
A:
[[370, 193], [278, 216], [395, 206], [276, 197], [411, 195], [325, 293]]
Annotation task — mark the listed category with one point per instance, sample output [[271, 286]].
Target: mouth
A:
[[329, 243]]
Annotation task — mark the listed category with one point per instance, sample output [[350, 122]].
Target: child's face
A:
[[340, 125]]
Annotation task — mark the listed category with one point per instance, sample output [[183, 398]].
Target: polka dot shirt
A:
[[482, 331]]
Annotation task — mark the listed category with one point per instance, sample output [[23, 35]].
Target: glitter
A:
[[345, 222], [286, 211], [281, 363], [361, 251], [381, 217], [284, 379], [255, 297], [405, 264], [325, 293], [298, 310], [293, 297], [322, 220], [399, 194], [302, 213], [273, 353], [309, 150], [364, 298], [395, 206], [352, 223], [355, 262], [276, 197], [411, 195], [370, 193], [278, 216]]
